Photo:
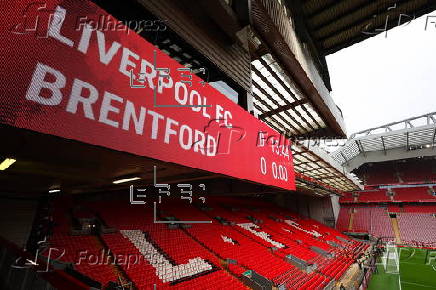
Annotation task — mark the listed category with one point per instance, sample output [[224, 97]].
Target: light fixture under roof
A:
[[54, 190], [6, 163], [123, 180]]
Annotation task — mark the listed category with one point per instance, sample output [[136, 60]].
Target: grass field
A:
[[417, 271]]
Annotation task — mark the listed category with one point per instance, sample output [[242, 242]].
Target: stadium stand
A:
[[415, 171], [257, 237], [382, 178], [380, 224], [419, 208], [374, 220], [400, 172], [362, 219], [413, 194], [402, 188], [410, 232], [374, 196], [394, 208], [406, 193], [412, 220], [72, 246], [347, 198], [343, 219], [78, 137]]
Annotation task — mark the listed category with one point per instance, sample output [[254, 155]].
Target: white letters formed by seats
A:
[[249, 227], [164, 270], [227, 240], [296, 225]]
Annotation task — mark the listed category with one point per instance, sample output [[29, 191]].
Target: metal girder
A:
[[344, 157], [360, 146], [383, 143], [434, 138], [283, 108], [394, 154], [407, 122], [318, 165], [411, 137], [270, 21]]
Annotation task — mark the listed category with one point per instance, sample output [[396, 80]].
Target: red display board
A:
[[67, 69]]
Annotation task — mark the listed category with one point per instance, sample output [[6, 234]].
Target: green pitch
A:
[[417, 271]]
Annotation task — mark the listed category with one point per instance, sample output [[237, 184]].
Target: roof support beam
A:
[[283, 108], [299, 153], [327, 176], [394, 154], [383, 143], [296, 163], [345, 159], [271, 87], [289, 91], [430, 116], [264, 19], [284, 121], [434, 139], [360, 145]]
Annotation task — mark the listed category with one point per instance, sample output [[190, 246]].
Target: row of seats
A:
[[416, 223], [400, 194], [419, 227], [374, 220], [174, 247], [412, 208], [414, 194], [412, 171], [86, 252], [242, 236]]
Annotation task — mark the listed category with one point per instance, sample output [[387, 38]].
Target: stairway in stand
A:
[[396, 229], [350, 224], [108, 256]]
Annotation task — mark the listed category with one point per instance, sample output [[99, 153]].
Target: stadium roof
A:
[[283, 66], [334, 25], [284, 97], [409, 138], [279, 103], [318, 172]]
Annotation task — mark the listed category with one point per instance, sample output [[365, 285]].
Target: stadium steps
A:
[[351, 277], [350, 222], [123, 278], [396, 229]]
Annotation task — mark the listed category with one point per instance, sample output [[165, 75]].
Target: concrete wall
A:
[[318, 208], [335, 206]]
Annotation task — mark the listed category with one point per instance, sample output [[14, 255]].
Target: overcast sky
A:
[[386, 79]]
